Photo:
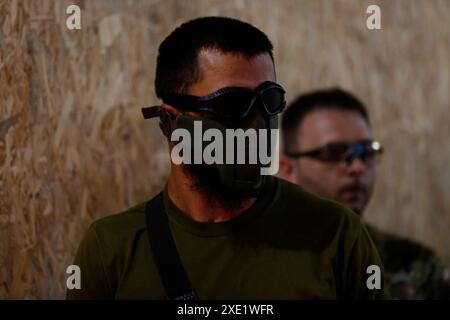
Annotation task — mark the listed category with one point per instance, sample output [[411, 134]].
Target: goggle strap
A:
[[151, 112], [164, 118]]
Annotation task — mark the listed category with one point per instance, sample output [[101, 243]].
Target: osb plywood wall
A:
[[73, 146]]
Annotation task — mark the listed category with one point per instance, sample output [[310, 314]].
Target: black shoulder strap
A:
[[165, 253]]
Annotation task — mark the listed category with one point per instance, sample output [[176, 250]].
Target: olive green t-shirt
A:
[[289, 244]]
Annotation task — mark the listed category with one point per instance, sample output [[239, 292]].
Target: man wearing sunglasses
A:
[[225, 231], [329, 150]]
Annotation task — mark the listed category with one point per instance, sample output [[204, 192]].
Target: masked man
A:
[[329, 150], [222, 229]]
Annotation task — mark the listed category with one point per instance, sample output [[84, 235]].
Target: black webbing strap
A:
[[165, 253]]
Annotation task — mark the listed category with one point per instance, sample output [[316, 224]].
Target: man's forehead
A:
[[219, 70], [324, 126]]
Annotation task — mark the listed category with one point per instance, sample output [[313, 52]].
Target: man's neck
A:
[[196, 204]]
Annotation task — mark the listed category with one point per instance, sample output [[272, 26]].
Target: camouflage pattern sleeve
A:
[[413, 272]]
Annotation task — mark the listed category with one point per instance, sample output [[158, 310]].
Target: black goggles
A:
[[229, 103], [343, 152]]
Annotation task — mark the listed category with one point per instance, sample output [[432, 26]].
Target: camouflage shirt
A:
[[412, 271]]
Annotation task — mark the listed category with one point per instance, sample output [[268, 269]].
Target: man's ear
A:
[[287, 168]]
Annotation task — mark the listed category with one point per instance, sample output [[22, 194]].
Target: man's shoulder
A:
[[121, 224], [327, 229], [311, 213], [301, 202]]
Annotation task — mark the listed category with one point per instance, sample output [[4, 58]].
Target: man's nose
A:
[[357, 166]]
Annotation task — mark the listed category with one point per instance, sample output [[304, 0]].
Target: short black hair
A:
[[334, 98], [177, 64]]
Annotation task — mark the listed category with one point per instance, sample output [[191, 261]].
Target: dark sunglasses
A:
[[343, 152], [232, 102]]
